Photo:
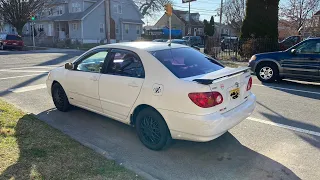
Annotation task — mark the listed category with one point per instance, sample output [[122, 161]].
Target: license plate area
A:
[[235, 93]]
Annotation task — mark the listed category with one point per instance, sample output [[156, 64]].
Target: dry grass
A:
[[31, 149]]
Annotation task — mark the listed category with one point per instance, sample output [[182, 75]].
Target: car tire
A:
[[60, 98], [267, 72], [152, 129]]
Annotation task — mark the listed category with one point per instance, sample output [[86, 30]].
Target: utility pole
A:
[[33, 42], [107, 7], [189, 23], [221, 11]]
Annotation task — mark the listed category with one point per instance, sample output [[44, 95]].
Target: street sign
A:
[[187, 1]]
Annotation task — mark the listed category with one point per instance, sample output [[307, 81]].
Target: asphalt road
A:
[[281, 140]]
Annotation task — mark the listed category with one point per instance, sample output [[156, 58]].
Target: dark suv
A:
[[11, 41], [301, 61]]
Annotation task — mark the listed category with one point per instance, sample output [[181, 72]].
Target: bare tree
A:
[[148, 7], [234, 13], [17, 12], [299, 11]]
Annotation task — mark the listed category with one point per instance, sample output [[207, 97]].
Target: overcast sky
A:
[[206, 8]]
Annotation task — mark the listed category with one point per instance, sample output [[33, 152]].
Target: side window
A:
[[309, 47], [125, 63], [93, 63]]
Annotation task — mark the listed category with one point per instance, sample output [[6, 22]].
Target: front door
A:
[[121, 83], [304, 61], [83, 81]]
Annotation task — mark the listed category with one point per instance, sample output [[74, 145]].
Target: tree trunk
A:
[[19, 30]]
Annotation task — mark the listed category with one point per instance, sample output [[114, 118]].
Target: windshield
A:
[[186, 62]]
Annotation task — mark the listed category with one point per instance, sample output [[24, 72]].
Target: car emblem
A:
[[222, 86]]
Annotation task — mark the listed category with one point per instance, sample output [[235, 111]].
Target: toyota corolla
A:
[[165, 91]]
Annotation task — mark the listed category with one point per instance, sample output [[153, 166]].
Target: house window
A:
[[117, 29], [58, 28], [138, 29], [60, 11], [101, 27], [118, 8], [50, 11], [76, 7], [126, 28], [75, 26]]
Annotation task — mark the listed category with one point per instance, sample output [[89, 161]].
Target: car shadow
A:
[[223, 158], [305, 89]]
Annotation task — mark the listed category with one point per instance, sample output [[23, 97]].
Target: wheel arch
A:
[[138, 109], [269, 61]]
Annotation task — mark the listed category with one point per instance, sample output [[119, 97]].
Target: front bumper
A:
[[207, 127]]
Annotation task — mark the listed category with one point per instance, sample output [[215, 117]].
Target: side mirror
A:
[[69, 66], [293, 51]]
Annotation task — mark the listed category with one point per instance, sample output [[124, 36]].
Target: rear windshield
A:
[[186, 62], [13, 37]]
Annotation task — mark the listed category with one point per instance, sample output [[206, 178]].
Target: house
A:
[[225, 30], [6, 28], [180, 21], [285, 29], [85, 20]]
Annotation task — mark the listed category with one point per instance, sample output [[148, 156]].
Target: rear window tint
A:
[[186, 62], [13, 37]]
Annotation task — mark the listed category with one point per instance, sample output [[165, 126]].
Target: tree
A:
[[148, 7], [261, 20], [261, 24], [209, 26], [234, 13], [17, 12], [299, 11]]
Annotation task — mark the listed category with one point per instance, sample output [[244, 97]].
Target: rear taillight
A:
[[249, 85], [206, 99]]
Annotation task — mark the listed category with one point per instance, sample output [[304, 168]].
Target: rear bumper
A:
[[207, 127], [12, 47]]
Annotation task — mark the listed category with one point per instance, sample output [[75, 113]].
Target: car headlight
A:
[[253, 58]]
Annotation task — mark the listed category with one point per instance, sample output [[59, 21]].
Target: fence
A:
[[239, 50], [53, 42]]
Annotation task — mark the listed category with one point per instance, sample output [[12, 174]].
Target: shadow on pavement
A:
[[286, 85], [223, 158], [278, 118]]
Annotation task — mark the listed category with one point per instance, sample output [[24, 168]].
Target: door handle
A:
[[94, 78], [133, 84]]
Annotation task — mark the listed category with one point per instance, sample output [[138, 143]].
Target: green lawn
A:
[[31, 149]]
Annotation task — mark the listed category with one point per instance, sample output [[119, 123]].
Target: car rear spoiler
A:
[[228, 74]]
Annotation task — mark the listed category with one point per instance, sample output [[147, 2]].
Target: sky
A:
[[206, 8]]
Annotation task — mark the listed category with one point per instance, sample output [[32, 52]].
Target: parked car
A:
[[165, 92], [193, 40], [11, 41], [301, 61], [289, 42], [178, 41], [230, 43], [160, 40]]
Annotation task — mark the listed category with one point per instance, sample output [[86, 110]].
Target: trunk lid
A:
[[231, 83]]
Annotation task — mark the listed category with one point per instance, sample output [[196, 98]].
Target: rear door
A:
[[304, 62], [121, 83]]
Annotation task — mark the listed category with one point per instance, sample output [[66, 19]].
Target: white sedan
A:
[[165, 92]]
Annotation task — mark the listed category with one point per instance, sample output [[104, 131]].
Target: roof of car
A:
[[147, 46]]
